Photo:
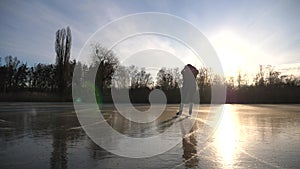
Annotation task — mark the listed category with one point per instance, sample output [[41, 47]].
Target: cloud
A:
[[28, 29], [289, 69]]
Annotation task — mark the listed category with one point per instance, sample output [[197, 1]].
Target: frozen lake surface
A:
[[48, 135]]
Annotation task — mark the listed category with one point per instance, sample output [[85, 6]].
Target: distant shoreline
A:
[[50, 97], [33, 97]]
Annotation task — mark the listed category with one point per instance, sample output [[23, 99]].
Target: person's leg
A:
[[191, 109], [180, 109], [184, 97], [191, 95]]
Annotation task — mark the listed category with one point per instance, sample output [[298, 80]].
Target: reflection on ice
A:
[[189, 146], [227, 137]]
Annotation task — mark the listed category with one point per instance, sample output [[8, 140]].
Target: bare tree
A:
[[20, 78], [106, 63], [204, 77], [259, 78], [273, 76], [12, 64], [63, 50], [121, 78], [218, 80], [3, 78], [168, 78], [144, 79], [139, 78], [242, 79], [230, 82], [177, 77]]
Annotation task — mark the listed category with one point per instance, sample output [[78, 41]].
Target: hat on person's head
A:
[[193, 69]]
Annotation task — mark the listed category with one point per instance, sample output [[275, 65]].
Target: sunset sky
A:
[[243, 33]]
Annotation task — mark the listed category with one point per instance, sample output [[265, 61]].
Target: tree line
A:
[[17, 77]]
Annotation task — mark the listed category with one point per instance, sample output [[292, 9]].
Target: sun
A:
[[236, 53]]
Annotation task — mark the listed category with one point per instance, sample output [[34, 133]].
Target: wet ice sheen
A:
[[48, 135]]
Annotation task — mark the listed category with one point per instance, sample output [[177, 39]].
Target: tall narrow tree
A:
[[63, 50]]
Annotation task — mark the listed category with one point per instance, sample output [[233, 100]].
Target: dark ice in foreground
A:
[[48, 135]]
